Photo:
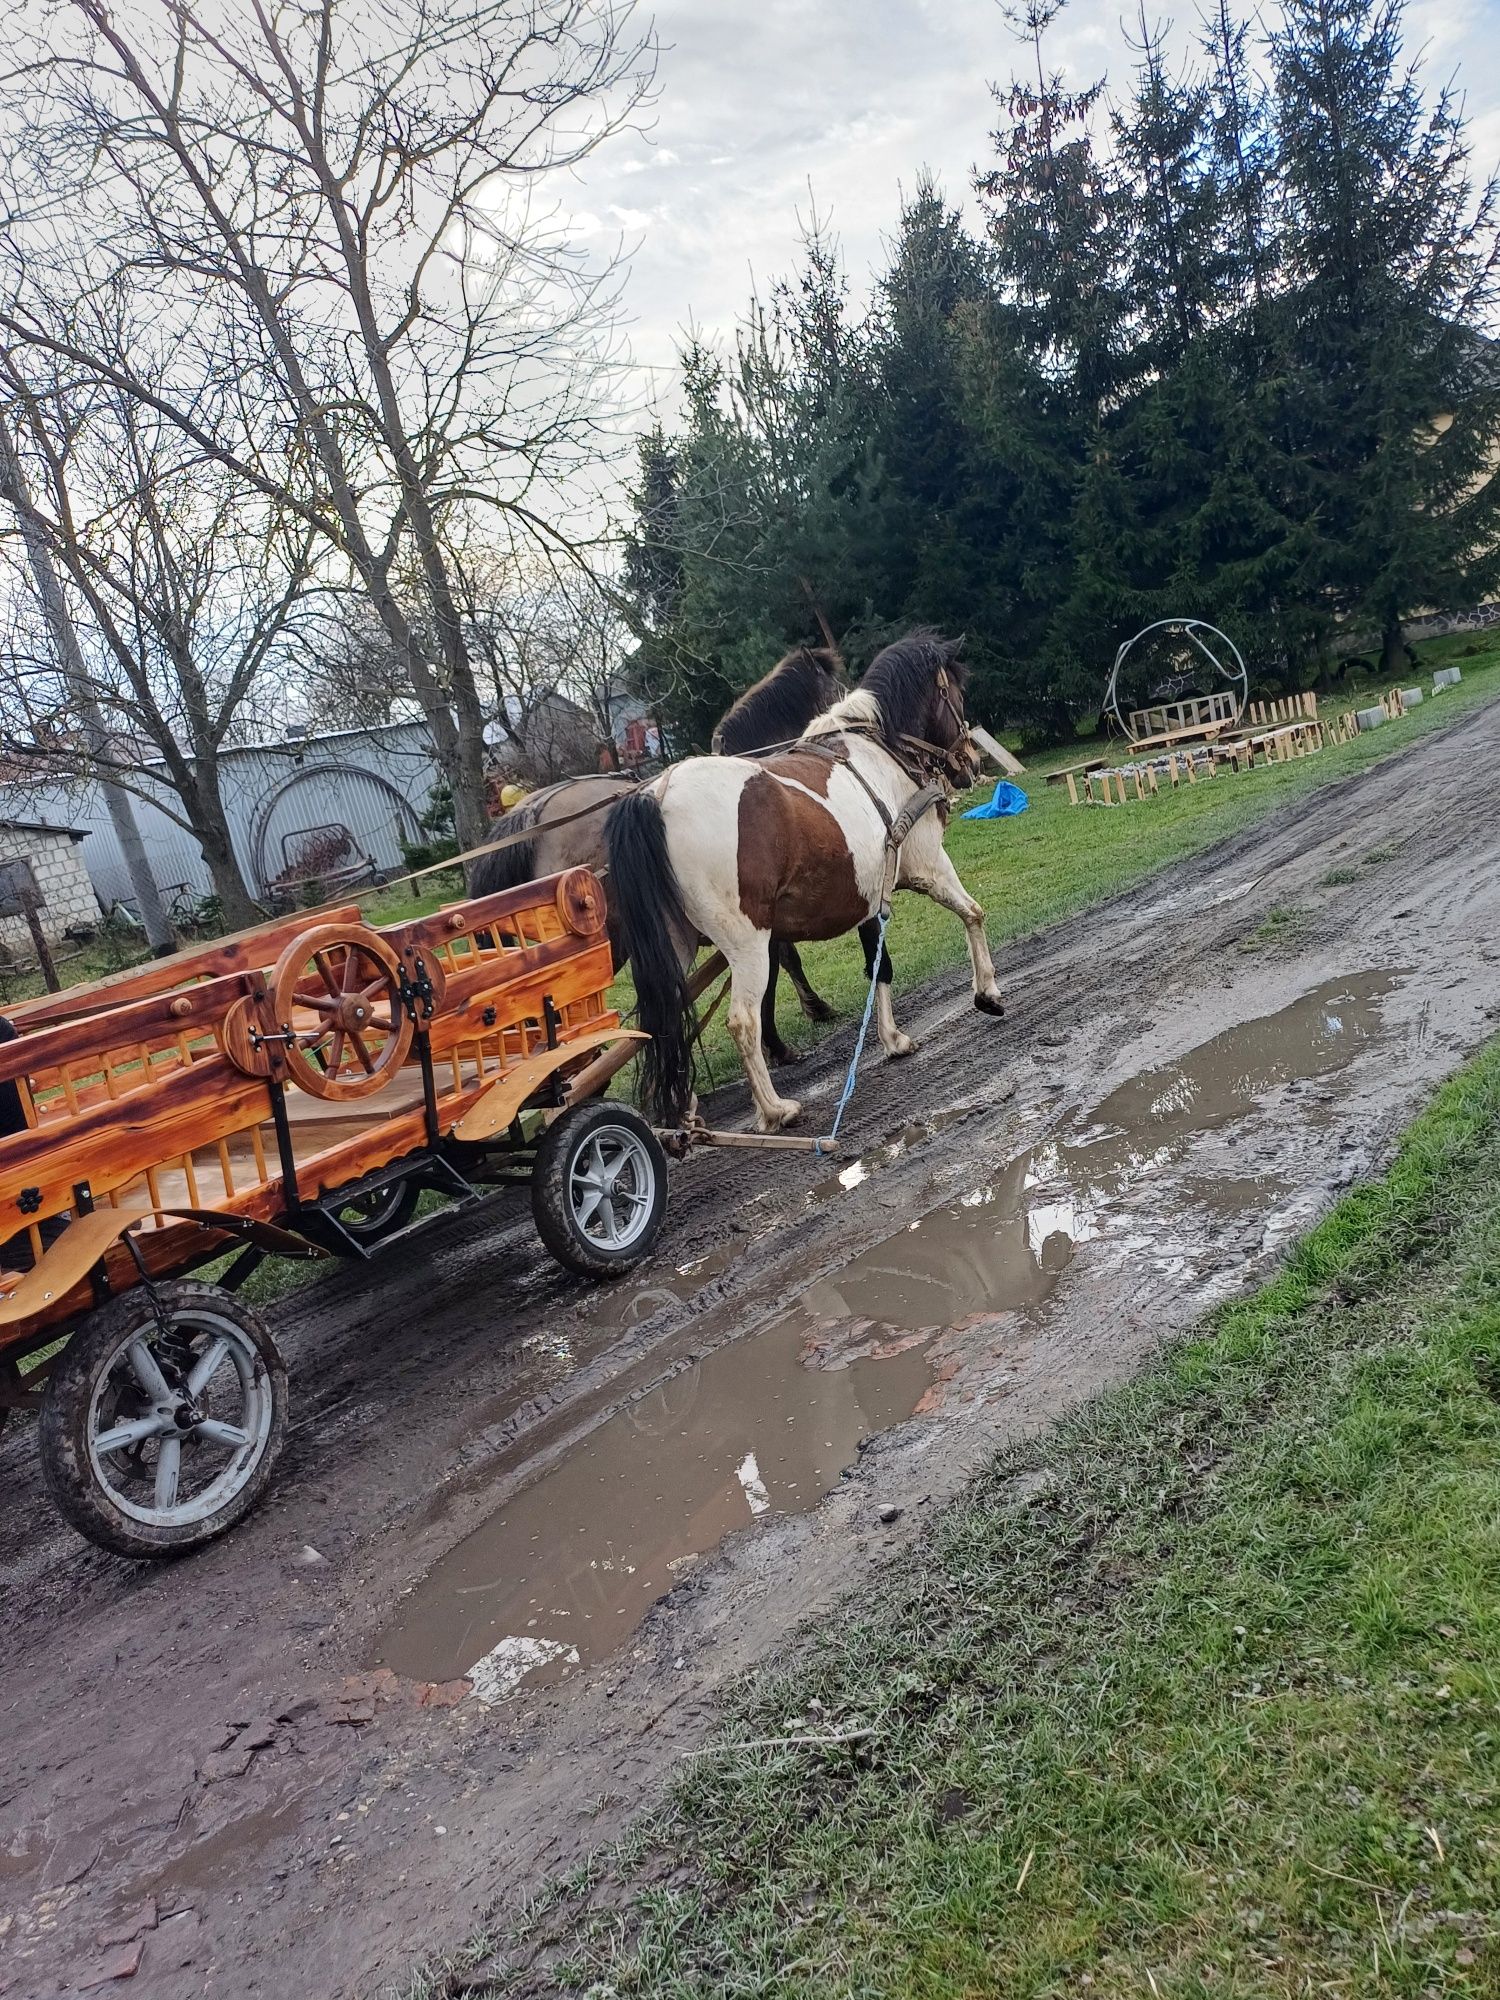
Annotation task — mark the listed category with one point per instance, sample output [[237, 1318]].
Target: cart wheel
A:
[[599, 1189], [336, 993], [158, 1434], [370, 1217]]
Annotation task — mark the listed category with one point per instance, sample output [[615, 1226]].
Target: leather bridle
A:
[[955, 764]]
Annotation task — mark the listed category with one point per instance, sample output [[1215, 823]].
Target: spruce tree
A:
[[1053, 220], [1243, 147], [1172, 223], [1391, 399]]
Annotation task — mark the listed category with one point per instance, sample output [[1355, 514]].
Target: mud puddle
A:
[[691, 1276], [1002, 1246], [1223, 1078], [566, 1571], [686, 1279]]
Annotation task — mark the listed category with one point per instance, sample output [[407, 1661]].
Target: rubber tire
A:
[[406, 1195], [65, 1414], [555, 1223]]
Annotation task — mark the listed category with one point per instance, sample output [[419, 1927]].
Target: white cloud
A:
[[759, 98]]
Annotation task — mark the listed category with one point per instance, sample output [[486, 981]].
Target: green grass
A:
[[1197, 1696], [1279, 927]]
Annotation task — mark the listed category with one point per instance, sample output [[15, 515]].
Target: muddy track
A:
[[193, 1783]]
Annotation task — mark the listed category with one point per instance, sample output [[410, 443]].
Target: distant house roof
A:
[[42, 826]]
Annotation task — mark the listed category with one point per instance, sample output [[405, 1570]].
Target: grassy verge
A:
[[1197, 1696]]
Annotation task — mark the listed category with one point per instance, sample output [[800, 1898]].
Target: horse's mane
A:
[[896, 690], [780, 705], [511, 866]]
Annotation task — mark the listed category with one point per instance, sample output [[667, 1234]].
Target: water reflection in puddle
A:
[[1002, 1245], [570, 1566], [567, 1569], [641, 1302]]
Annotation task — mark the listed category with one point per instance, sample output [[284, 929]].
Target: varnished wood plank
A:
[[250, 950]]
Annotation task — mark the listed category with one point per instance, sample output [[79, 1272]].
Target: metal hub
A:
[[610, 1187]]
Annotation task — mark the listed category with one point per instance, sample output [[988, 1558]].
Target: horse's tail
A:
[[646, 903]]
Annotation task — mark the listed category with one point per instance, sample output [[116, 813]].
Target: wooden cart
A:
[[294, 1090]]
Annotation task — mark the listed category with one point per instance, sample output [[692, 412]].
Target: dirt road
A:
[[491, 1600]]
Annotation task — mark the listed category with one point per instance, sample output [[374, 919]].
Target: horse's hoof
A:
[[989, 1003], [785, 1111], [902, 1046], [783, 1053], [815, 1008]]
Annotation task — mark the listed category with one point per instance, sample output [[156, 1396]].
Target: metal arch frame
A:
[[1236, 677], [269, 801]]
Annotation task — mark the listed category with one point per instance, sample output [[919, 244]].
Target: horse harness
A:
[[931, 768], [929, 759]]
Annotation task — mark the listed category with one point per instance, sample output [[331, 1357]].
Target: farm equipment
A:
[[293, 1090]]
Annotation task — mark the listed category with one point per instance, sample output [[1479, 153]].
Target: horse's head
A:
[[824, 670], [919, 685], [947, 726]]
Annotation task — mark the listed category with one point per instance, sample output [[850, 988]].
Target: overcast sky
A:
[[760, 100]]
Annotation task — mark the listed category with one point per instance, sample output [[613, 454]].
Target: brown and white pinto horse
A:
[[792, 846], [565, 821]]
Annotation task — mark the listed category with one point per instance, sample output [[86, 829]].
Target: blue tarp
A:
[[1009, 799]]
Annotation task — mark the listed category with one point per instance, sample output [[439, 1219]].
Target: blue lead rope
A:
[[859, 1044]]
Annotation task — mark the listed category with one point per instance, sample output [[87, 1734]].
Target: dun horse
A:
[[568, 817], [794, 846]]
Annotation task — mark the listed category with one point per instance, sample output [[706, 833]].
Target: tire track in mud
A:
[[423, 1396]]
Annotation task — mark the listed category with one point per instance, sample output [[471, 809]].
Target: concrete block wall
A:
[[67, 894]]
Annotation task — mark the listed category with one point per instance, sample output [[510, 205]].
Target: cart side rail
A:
[[243, 951]]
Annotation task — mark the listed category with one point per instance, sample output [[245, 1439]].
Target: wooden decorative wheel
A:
[[336, 995], [243, 1042], [581, 904]]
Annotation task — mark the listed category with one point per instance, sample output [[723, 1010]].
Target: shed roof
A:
[[42, 826]]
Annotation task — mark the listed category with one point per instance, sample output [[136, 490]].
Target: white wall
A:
[[62, 880]]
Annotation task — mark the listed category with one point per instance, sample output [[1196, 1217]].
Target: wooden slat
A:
[[252, 950], [93, 1037], [560, 968], [111, 1143], [483, 913]]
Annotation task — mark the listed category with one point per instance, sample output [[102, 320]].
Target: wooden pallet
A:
[[1288, 708], [1178, 717], [1118, 788], [1303, 737], [1282, 745]]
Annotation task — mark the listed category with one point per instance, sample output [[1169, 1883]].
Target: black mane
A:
[[511, 866], [901, 679], [781, 704]]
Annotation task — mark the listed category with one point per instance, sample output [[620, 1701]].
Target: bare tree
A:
[[186, 584], [549, 644], [600, 643], [335, 208], [67, 654]]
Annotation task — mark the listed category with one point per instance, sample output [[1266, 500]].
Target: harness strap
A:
[[914, 809], [517, 839]]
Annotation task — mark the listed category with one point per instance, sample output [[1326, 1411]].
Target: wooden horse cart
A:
[[293, 1090]]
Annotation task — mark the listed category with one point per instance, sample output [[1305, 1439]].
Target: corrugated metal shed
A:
[[376, 782]]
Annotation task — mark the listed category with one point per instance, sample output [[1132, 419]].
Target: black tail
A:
[[647, 907]]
